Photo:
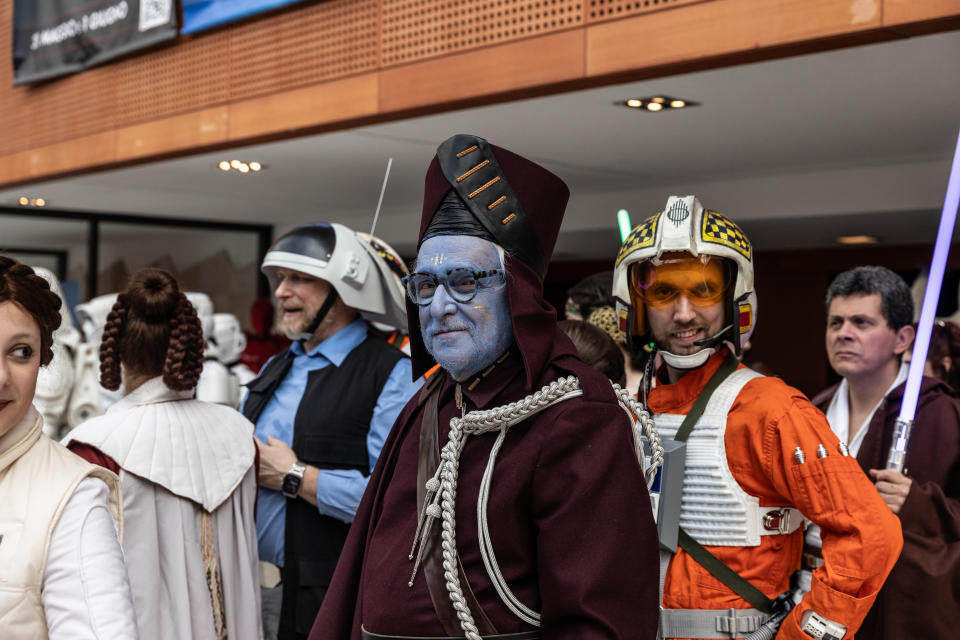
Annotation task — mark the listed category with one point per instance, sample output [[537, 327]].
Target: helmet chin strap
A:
[[694, 360], [691, 361], [321, 314]]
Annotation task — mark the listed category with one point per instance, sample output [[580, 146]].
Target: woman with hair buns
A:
[[186, 467], [61, 568]]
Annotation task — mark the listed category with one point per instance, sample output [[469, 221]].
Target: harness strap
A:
[[664, 563], [704, 558], [709, 623], [728, 366], [741, 586]]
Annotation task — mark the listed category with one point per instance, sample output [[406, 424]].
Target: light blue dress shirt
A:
[[338, 490]]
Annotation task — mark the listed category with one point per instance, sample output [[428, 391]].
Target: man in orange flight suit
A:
[[759, 459]]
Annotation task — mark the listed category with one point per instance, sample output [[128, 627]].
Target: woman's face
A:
[[19, 363]]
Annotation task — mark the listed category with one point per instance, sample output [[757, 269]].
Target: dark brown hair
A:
[[597, 349], [153, 330], [20, 284], [945, 343], [592, 292]]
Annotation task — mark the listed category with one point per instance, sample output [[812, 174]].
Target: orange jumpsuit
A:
[[861, 536]]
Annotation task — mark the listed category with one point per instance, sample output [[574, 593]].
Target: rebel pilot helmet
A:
[[334, 253], [684, 227], [392, 269]]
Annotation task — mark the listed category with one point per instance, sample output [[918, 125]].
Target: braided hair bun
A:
[[20, 284], [153, 330]]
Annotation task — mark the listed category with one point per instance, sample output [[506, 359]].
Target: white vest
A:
[[37, 479], [715, 510]]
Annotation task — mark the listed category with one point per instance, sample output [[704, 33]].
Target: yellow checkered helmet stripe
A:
[[720, 230], [643, 235]]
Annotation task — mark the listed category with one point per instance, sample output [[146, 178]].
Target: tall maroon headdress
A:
[[521, 205]]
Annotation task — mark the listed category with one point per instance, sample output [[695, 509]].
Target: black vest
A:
[[329, 432]]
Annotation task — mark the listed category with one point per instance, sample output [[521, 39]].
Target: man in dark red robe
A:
[[558, 541], [869, 314]]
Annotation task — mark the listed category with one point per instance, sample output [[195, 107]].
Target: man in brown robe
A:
[[868, 328], [558, 541]]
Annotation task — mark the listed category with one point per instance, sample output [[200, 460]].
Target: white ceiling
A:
[[798, 150]]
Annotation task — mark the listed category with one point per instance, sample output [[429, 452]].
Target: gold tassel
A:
[[209, 550]]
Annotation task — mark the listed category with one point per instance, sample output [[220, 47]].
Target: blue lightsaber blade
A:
[[908, 408]]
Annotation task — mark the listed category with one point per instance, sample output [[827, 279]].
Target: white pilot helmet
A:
[[684, 226], [392, 268], [334, 253]]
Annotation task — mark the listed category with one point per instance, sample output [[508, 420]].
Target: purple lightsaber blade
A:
[[928, 309]]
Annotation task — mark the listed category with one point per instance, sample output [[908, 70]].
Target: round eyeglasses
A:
[[461, 284]]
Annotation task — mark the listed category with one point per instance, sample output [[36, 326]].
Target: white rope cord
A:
[[486, 421], [519, 609], [642, 426], [450, 460]]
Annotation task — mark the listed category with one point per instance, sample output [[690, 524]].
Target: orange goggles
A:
[[702, 280]]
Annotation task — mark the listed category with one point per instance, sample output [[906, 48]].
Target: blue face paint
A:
[[464, 337]]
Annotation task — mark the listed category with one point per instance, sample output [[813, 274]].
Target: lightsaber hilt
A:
[[898, 450]]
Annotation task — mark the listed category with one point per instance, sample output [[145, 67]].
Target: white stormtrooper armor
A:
[[204, 306], [217, 383], [230, 342], [89, 399], [55, 381]]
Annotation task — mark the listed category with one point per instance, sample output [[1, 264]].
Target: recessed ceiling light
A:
[[24, 201], [240, 166], [657, 103], [861, 239]]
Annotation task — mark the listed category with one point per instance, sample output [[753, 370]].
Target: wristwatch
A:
[[292, 480]]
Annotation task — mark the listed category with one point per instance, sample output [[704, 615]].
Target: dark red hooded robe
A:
[[569, 514]]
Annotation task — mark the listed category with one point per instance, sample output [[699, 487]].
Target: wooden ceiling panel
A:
[[187, 75], [599, 10], [417, 29], [289, 50], [383, 48]]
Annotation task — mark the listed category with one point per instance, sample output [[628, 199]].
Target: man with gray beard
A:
[[322, 409]]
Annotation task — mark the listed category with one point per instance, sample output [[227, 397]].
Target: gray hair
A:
[[896, 303]]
